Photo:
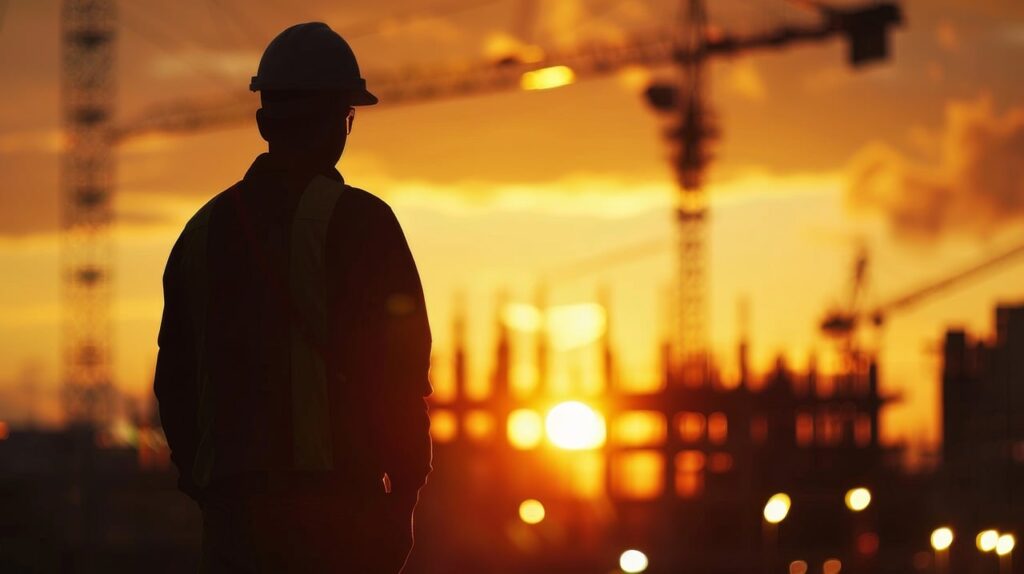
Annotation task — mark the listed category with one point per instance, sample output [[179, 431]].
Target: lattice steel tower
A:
[[691, 129], [692, 134], [88, 45]]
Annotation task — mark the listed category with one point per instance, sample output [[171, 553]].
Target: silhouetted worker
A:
[[294, 346]]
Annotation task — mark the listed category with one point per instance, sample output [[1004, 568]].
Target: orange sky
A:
[[494, 190]]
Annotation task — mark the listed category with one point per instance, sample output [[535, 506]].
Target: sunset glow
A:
[[710, 285]]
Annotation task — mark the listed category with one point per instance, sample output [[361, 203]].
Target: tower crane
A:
[[844, 324], [687, 48]]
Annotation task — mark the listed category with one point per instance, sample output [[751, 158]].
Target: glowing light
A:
[[573, 425], [942, 538], [639, 428], [1005, 544], [867, 543], [632, 561], [718, 428], [479, 425], [798, 567], [548, 78], [638, 475], [832, 566], [987, 540], [777, 508], [531, 511], [525, 429], [568, 326], [522, 317], [4, 431], [443, 425], [691, 426], [858, 499]]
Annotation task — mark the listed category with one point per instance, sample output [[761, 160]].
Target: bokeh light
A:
[[479, 425], [548, 78], [1005, 544], [987, 540], [832, 566], [522, 317], [777, 508], [573, 425], [443, 426], [867, 544], [632, 561], [525, 429], [798, 567], [531, 511], [942, 538], [858, 499]]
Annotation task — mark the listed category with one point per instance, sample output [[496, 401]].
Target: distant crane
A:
[[88, 100], [88, 69], [693, 129], [843, 324]]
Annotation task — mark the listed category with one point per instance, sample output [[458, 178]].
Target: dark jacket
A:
[[222, 376]]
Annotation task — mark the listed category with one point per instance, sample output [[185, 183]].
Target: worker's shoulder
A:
[[201, 218], [364, 203]]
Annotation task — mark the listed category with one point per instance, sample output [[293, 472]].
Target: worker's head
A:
[[315, 124], [309, 83]]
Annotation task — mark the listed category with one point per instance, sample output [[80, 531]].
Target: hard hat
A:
[[311, 57]]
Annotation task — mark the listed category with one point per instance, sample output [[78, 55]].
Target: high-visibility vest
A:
[[307, 291]]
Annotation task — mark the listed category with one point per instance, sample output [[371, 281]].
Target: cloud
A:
[[187, 63], [975, 186], [425, 29], [595, 195], [572, 22]]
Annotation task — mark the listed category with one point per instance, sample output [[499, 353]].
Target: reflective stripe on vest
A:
[[307, 282]]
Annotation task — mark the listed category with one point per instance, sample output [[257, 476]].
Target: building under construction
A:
[[682, 474], [781, 472]]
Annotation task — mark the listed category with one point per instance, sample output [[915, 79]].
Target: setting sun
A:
[[572, 425]]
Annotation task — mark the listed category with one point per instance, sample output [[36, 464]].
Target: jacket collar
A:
[[267, 165]]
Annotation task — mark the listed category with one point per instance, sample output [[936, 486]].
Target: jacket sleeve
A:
[[174, 383], [402, 341]]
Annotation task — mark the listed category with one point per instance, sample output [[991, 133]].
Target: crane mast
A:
[[691, 134], [88, 95]]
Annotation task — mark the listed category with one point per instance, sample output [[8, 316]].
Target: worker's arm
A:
[[398, 316], [175, 382]]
